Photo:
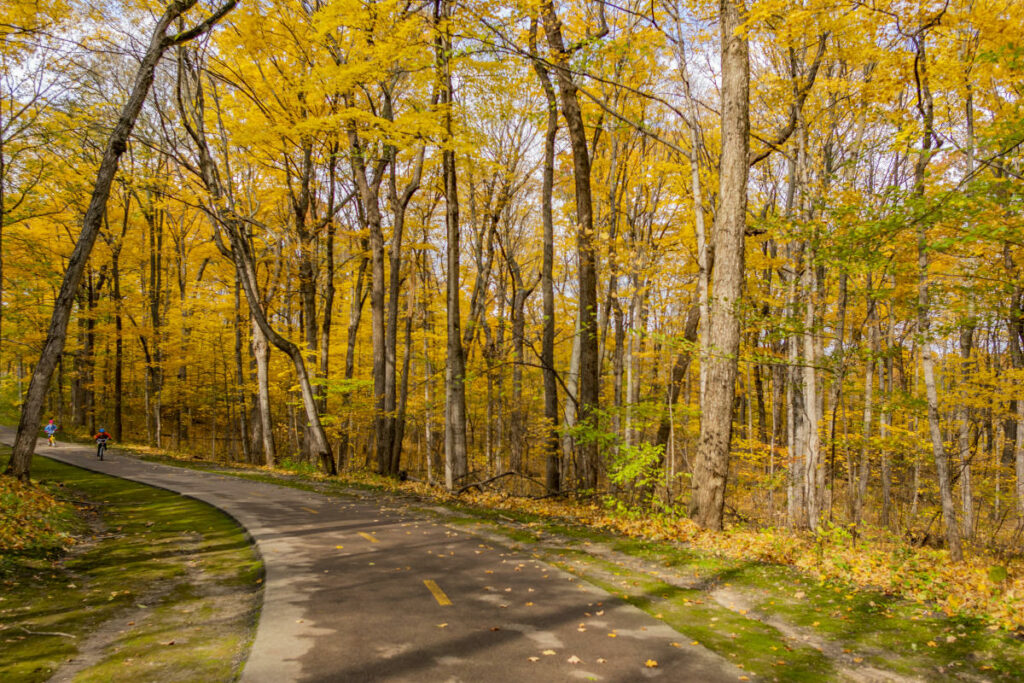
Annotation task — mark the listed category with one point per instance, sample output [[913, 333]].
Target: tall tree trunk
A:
[[354, 317], [243, 410], [926, 107], [552, 469], [399, 205], [587, 394], [712, 466], [240, 251], [456, 462], [261, 352], [28, 425], [869, 378], [814, 470], [884, 424], [403, 392], [570, 413]]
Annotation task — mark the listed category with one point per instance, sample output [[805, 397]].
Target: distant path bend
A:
[[358, 589]]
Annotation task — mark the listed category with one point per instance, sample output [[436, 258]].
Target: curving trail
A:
[[357, 589]]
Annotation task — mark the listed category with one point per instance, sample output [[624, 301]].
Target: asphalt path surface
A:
[[359, 588]]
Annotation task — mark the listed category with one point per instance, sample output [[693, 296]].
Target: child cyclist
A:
[[50, 430], [101, 439]]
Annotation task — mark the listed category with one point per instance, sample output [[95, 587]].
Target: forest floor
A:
[[773, 621], [156, 586]]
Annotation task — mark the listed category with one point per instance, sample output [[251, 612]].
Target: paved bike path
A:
[[357, 589]]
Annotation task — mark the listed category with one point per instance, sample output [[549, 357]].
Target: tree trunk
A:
[[261, 352], [243, 410], [354, 316], [923, 310], [813, 465], [28, 425], [115, 273], [552, 469], [712, 466], [587, 394], [399, 205], [456, 463], [869, 378]]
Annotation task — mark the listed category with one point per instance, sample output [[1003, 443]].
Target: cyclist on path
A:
[[101, 439]]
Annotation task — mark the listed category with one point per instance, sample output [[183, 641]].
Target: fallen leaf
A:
[[651, 664], [534, 659], [444, 625], [613, 635], [574, 660], [601, 660], [548, 652]]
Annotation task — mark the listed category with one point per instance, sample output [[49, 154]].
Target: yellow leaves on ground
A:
[[30, 518]]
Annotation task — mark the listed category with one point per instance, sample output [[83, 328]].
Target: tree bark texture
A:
[[712, 467]]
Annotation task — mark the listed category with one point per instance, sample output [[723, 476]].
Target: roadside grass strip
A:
[[157, 587]]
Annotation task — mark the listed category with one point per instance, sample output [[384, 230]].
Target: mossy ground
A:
[[160, 587]]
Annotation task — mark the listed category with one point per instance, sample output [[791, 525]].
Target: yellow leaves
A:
[[651, 664], [31, 518]]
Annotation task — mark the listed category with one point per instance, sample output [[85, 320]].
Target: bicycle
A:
[[53, 441], [101, 446]]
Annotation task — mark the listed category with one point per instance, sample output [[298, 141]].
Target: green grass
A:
[[147, 578]]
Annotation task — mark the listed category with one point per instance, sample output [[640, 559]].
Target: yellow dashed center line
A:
[[311, 511], [439, 595], [368, 537]]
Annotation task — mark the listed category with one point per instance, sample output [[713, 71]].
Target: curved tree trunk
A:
[[117, 143]]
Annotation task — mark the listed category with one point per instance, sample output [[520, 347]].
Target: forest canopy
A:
[[753, 260]]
